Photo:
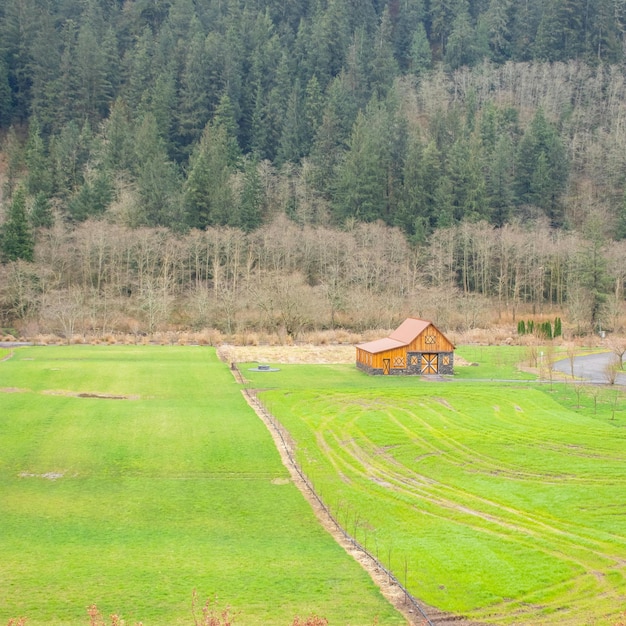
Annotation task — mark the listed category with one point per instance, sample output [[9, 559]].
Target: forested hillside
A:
[[484, 138]]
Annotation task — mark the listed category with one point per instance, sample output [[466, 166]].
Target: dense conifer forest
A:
[[310, 164]]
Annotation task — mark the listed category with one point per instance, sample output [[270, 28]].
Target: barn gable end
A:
[[416, 347]]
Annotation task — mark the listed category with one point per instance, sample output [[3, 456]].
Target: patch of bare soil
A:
[[47, 475], [84, 394]]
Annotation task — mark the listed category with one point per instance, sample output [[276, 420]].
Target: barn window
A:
[[414, 359], [398, 361], [446, 360], [430, 339]]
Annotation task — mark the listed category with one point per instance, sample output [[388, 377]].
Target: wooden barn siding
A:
[[419, 343]]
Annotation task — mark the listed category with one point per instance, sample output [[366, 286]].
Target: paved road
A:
[[591, 368]]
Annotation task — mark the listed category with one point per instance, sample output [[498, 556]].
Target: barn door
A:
[[386, 363], [429, 364]]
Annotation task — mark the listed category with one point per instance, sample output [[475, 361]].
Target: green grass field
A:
[[501, 502], [158, 481]]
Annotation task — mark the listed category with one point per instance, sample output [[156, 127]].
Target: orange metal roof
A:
[[409, 329], [380, 345]]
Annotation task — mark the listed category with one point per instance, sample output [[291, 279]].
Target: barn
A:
[[416, 347]]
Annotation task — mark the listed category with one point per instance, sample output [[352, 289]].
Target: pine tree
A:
[[15, 161], [118, 149], [541, 168], [41, 212], [156, 176], [291, 148], [224, 118], [250, 211], [367, 185], [6, 97], [499, 180], [208, 196], [498, 22], [16, 239], [383, 66], [313, 112], [407, 18], [558, 327], [463, 47], [421, 54], [39, 177], [92, 198], [194, 93]]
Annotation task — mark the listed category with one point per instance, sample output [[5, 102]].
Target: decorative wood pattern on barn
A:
[[416, 347]]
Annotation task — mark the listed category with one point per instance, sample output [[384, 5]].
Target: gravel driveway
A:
[[591, 368]]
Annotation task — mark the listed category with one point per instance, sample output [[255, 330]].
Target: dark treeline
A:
[[425, 115]]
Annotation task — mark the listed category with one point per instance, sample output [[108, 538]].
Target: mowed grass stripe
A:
[[133, 503], [502, 504]]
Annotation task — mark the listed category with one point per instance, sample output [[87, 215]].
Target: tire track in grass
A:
[[362, 461]]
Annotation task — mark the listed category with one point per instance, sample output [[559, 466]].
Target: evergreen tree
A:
[[541, 168], [41, 212], [562, 31], [194, 93], [499, 180], [208, 195], [464, 46], [313, 112], [15, 161], [421, 55], [591, 268], [620, 221], [383, 66], [367, 185], [225, 118], [28, 45], [16, 239], [292, 141], [70, 151], [118, 150], [39, 177], [547, 45], [464, 169], [91, 65], [604, 40], [6, 97], [442, 15], [525, 22], [407, 18], [410, 214], [163, 108], [156, 177], [497, 21], [250, 209], [558, 327], [92, 198], [328, 41]]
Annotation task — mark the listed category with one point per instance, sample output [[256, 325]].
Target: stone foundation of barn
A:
[[414, 364]]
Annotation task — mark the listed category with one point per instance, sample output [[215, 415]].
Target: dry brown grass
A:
[[305, 353]]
